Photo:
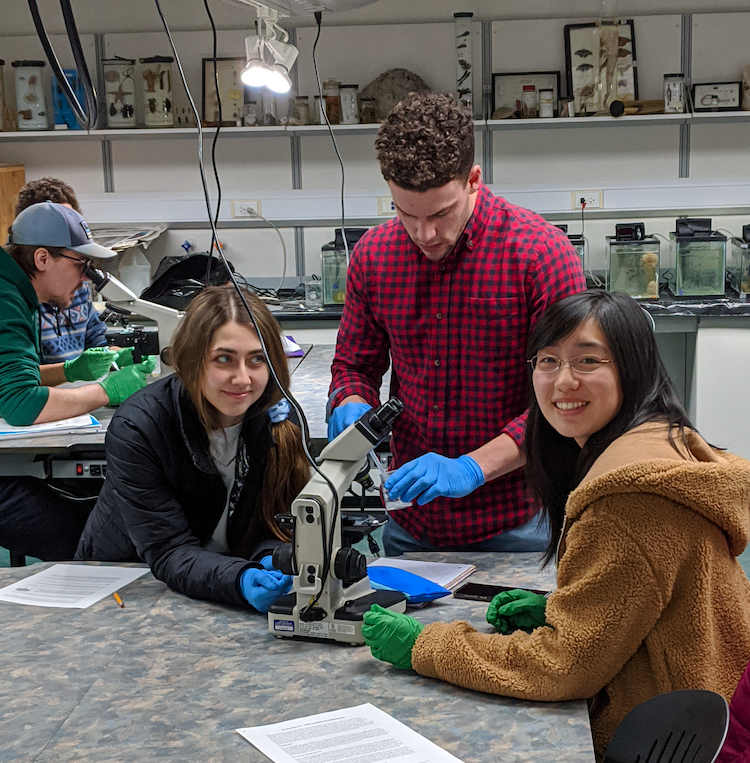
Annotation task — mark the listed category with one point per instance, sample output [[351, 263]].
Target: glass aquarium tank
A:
[[700, 259], [738, 266], [633, 267], [579, 244], [700, 266], [334, 265]]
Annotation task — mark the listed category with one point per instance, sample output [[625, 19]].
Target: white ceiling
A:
[[102, 16]]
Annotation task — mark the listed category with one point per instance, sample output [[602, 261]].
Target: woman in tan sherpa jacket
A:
[[650, 519]]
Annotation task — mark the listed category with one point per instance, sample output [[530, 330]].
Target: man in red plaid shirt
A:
[[451, 288]]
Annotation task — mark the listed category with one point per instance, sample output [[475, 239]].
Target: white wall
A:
[[584, 157]]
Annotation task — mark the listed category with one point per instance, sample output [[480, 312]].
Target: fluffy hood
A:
[[714, 484]]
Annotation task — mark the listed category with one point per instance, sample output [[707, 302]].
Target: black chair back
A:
[[686, 726]]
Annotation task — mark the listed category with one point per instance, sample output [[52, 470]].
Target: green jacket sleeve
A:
[[22, 396]]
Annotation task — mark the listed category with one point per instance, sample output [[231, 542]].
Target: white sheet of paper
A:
[[345, 735], [75, 424], [73, 586]]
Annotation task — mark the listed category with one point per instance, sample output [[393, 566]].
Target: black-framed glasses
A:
[[581, 364], [82, 263]]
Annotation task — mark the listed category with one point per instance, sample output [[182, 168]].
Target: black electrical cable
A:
[[210, 259], [319, 21], [87, 119], [292, 400]]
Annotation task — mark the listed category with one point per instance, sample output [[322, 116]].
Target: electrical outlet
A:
[[246, 208], [385, 206], [593, 199]]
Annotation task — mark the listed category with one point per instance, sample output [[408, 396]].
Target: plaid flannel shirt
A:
[[456, 331]]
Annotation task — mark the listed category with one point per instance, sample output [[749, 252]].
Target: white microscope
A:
[[121, 302], [331, 590]]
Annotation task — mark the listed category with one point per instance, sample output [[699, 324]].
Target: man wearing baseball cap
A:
[[49, 249]]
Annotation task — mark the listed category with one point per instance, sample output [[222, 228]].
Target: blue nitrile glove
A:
[[344, 416], [89, 365], [429, 476], [267, 564], [120, 385], [517, 610], [279, 412], [261, 588], [390, 635]]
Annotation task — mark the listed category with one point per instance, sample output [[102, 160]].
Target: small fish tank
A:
[[334, 265], [633, 266], [579, 244], [700, 259], [738, 263]]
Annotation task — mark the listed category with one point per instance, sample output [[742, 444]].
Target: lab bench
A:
[[171, 678]]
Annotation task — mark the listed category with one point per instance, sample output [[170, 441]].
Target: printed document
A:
[[354, 734], [82, 424], [73, 586]]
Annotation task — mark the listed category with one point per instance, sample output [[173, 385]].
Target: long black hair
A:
[[555, 465]]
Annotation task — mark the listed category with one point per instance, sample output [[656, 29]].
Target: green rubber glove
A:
[[124, 357], [517, 610], [89, 365], [120, 385], [390, 635]]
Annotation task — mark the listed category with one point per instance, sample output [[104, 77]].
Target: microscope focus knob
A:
[[350, 565], [283, 559]]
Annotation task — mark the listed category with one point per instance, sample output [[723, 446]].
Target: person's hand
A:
[[89, 365], [279, 412], [429, 476], [124, 357], [267, 563], [517, 609], [261, 588], [344, 416], [120, 385], [390, 635]]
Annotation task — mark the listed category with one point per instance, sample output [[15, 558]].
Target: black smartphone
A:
[[486, 592]]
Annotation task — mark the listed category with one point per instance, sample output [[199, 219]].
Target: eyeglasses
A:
[[581, 364], [82, 263]]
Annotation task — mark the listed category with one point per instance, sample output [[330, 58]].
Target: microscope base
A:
[[344, 625]]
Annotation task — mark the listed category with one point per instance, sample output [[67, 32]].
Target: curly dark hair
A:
[[425, 142], [46, 189]]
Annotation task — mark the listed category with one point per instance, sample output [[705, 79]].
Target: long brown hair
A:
[[287, 470]]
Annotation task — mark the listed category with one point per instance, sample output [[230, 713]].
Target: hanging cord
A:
[[88, 118], [319, 21], [210, 260], [327, 548]]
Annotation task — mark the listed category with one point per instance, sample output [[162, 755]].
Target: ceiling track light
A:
[[270, 57]]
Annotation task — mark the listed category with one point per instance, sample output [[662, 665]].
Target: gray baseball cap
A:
[[50, 224]]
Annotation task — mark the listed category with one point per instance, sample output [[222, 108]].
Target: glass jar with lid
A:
[[31, 99], [368, 111], [302, 109], [529, 102], [119, 86], [332, 96], [349, 104], [674, 93], [546, 103], [157, 91]]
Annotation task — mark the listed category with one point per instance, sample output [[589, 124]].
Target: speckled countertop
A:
[[310, 383], [170, 678]]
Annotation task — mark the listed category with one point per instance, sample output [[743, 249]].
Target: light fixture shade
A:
[[268, 63], [278, 80], [255, 74]]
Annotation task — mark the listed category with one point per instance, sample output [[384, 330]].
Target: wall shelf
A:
[[280, 131]]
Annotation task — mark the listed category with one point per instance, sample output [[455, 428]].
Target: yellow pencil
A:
[[118, 600]]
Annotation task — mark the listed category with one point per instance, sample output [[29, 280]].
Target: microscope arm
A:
[[115, 292]]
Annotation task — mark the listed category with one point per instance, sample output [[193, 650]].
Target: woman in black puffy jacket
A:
[[199, 462]]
